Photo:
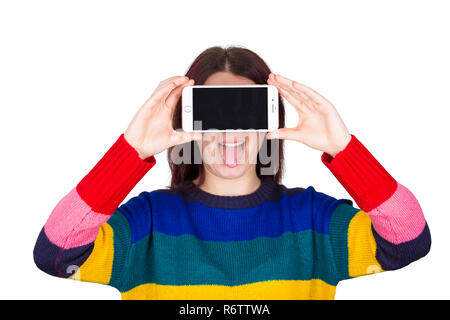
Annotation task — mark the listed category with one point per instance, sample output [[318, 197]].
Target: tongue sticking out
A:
[[230, 155]]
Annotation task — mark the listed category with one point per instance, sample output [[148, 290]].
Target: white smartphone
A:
[[229, 108]]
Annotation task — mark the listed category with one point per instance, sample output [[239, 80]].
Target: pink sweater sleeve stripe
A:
[[72, 222], [395, 213], [76, 219], [400, 218]]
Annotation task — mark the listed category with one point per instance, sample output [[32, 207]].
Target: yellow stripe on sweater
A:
[[98, 267], [361, 247], [269, 290]]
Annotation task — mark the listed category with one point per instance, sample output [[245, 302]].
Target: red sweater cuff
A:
[[113, 177], [364, 178]]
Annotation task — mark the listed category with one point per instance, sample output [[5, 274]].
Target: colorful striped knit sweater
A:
[[275, 243]]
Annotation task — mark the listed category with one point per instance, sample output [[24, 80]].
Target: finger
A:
[[165, 81], [179, 137], [164, 89], [286, 82], [283, 133], [314, 95], [305, 99], [282, 79], [293, 100], [174, 96], [284, 85], [307, 102]]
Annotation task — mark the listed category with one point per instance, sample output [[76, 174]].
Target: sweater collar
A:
[[263, 193]]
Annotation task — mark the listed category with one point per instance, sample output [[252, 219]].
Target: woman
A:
[[225, 230]]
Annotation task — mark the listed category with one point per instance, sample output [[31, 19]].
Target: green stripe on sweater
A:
[[339, 224], [186, 260]]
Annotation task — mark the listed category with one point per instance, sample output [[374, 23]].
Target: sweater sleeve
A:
[[86, 237], [388, 231]]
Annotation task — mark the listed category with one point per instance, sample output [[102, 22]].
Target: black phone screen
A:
[[230, 108]]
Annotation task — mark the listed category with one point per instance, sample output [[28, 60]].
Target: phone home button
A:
[[187, 109]]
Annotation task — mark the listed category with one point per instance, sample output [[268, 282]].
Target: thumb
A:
[[283, 133], [180, 137]]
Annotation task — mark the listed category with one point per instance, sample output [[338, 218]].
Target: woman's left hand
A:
[[319, 124]]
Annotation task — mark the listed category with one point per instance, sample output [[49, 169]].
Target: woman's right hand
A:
[[151, 131]]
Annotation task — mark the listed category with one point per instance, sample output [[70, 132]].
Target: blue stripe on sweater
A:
[[170, 214]]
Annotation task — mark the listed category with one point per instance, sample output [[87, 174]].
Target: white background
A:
[[73, 73]]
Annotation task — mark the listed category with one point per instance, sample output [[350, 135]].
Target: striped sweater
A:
[[275, 243]]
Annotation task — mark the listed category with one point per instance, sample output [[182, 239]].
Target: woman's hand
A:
[[319, 124], [151, 130]]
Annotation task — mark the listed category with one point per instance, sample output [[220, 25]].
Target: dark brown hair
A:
[[241, 62]]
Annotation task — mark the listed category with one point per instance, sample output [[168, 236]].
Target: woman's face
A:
[[230, 154]]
